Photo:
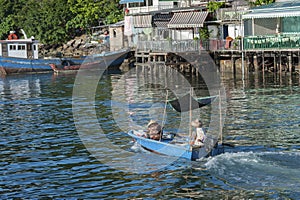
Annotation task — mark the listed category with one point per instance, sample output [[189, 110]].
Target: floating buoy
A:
[[12, 36]]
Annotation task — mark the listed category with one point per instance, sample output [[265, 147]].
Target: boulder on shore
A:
[[79, 46]]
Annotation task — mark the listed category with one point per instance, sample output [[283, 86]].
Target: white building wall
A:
[[235, 30], [157, 5], [155, 2], [182, 35], [214, 31]]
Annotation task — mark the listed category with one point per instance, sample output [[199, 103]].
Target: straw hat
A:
[[196, 123], [151, 122]]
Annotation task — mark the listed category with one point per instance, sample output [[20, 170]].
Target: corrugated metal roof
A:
[[142, 21], [279, 5], [180, 20], [187, 20], [161, 20], [274, 10], [161, 24], [198, 19], [271, 14]]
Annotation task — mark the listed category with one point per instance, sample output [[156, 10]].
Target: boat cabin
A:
[[19, 48]]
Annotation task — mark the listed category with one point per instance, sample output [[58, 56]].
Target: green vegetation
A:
[[204, 33], [212, 6], [56, 21], [262, 2]]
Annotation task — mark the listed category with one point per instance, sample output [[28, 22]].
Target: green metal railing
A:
[[288, 41]]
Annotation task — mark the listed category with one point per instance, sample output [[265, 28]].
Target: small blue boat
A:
[[170, 148], [168, 145]]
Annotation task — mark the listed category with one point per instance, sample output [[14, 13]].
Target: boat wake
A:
[[137, 148], [259, 171]]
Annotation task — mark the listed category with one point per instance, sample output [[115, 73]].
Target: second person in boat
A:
[[198, 137]]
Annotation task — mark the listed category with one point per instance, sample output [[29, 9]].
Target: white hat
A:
[[151, 122], [196, 123], [11, 32]]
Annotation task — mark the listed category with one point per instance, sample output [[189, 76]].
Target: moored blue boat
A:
[[21, 56]]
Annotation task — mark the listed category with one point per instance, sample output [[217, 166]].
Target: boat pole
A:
[[165, 110], [190, 117], [220, 111], [164, 115]]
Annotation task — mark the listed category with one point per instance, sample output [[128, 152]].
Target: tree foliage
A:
[[262, 2], [55, 21], [214, 5]]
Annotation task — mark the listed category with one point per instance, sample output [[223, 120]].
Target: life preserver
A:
[[12, 36]]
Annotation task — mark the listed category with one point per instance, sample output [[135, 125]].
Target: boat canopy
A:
[[187, 102]]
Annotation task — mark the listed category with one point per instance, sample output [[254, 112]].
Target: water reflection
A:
[[15, 88]]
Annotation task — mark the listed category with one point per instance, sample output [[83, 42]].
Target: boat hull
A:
[[161, 147], [182, 151], [9, 65], [21, 65]]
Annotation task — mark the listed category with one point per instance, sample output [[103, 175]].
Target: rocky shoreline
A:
[[79, 46]]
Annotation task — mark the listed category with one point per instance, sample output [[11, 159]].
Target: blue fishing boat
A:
[[21, 56], [169, 145]]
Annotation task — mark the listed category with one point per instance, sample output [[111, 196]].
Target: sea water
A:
[[43, 153]]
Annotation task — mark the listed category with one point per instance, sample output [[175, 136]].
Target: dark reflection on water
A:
[[43, 156]]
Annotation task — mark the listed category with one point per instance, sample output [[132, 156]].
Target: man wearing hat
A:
[[154, 130], [198, 137]]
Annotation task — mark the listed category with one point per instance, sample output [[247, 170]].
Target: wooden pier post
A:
[[290, 63], [263, 63], [233, 67], [275, 63], [280, 65], [255, 63]]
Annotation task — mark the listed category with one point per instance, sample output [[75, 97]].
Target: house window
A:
[[134, 5], [21, 47], [12, 47], [145, 3], [291, 24]]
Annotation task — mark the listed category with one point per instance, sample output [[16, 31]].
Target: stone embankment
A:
[[79, 46]]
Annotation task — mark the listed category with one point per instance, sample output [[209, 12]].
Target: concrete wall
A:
[[116, 38]]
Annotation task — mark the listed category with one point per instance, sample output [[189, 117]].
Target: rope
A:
[[165, 111], [164, 117]]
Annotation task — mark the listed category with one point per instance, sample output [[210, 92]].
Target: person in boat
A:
[[154, 130], [198, 136]]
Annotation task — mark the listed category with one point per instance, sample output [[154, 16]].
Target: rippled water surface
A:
[[42, 154]]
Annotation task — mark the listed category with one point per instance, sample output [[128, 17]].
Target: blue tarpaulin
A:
[[130, 1]]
